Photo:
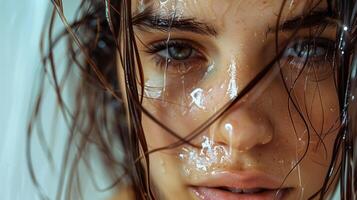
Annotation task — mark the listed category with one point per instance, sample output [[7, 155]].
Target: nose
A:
[[244, 128]]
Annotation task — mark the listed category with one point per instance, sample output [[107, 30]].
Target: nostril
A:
[[244, 128]]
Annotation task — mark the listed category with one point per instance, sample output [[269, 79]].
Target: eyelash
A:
[[303, 48], [313, 56], [296, 53], [196, 59]]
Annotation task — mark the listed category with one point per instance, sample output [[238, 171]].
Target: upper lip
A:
[[240, 180]]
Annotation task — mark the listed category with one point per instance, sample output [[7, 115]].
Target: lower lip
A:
[[206, 193]]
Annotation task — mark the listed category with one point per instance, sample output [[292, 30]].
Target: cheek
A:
[[182, 120], [166, 177], [184, 104], [309, 123], [324, 123], [318, 105]]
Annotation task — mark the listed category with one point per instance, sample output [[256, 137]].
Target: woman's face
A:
[[197, 56]]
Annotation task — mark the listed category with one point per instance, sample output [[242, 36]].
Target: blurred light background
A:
[[21, 23]]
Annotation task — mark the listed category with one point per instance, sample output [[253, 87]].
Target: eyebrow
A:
[[312, 19], [148, 20]]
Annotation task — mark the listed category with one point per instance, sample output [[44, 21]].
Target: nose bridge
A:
[[243, 59], [246, 124], [243, 128]]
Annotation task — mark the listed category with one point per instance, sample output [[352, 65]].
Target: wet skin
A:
[[193, 69]]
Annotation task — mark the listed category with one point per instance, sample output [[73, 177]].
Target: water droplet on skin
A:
[[211, 67], [229, 129], [209, 70], [205, 160], [184, 99], [232, 90], [197, 96], [244, 99], [163, 166], [153, 88], [183, 68], [141, 6], [291, 5]]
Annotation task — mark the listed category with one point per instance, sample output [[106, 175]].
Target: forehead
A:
[[218, 10]]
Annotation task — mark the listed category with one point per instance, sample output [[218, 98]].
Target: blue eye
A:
[[178, 56], [179, 52], [314, 56], [311, 48], [176, 50]]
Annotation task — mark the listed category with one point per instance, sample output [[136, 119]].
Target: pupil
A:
[[180, 53], [311, 50]]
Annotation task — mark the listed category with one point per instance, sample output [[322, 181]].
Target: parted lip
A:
[[239, 185], [240, 180]]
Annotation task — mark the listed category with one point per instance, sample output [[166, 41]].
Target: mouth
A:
[[239, 186], [227, 193]]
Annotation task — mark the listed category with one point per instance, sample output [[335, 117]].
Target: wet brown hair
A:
[[110, 120]]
